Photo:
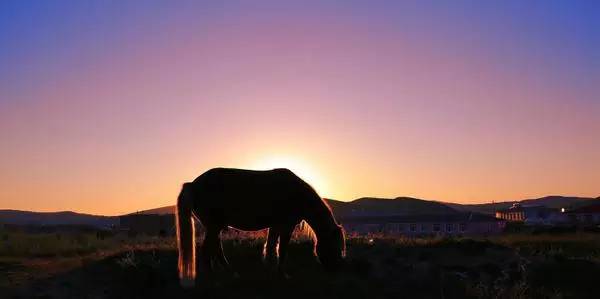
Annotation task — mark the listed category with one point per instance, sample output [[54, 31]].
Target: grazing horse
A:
[[252, 200]]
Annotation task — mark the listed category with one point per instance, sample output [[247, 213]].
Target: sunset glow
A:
[[107, 108], [301, 168]]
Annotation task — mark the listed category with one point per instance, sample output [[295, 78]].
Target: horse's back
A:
[[250, 199], [231, 180]]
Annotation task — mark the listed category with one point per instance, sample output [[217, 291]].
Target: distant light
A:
[[371, 241], [562, 210]]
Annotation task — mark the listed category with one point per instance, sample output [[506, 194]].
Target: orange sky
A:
[[115, 111]]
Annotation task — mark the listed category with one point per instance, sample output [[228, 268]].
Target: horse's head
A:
[[331, 248]]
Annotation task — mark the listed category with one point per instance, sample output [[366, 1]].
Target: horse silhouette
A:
[[252, 200]]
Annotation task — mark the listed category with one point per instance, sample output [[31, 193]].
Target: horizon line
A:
[[376, 197]]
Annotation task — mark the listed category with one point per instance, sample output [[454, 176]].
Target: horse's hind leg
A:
[[270, 249], [284, 241], [210, 248]]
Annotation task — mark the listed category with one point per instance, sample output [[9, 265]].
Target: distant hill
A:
[[371, 206], [557, 201], [159, 211], [366, 206], [548, 201], [55, 218]]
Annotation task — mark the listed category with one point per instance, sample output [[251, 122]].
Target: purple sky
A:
[[108, 108]]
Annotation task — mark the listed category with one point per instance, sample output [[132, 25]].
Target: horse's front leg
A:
[[221, 256], [284, 241]]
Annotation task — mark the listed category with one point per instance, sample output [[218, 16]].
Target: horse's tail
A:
[[186, 243]]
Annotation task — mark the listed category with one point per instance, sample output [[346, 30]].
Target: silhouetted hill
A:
[[548, 201], [336, 204], [55, 218], [366, 206], [486, 208], [371, 206], [409, 205], [159, 211], [557, 201]]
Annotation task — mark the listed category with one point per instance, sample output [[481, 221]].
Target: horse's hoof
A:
[[284, 276], [187, 283], [270, 261]]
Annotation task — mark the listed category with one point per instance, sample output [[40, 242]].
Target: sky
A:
[[107, 107]]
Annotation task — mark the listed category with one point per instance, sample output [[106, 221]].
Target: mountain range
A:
[[365, 206], [55, 218], [553, 201]]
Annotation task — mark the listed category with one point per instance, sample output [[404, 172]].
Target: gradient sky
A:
[[106, 107]]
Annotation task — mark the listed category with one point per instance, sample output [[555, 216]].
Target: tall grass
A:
[[21, 244], [503, 266], [572, 245]]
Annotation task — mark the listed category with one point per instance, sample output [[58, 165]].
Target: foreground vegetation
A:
[[507, 266]]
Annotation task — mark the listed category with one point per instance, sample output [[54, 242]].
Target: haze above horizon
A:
[[109, 107]]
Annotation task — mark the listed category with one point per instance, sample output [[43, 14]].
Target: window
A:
[[462, 227], [423, 227], [413, 227], [450, 227], [390, 227], [436, 227], [394, 227]]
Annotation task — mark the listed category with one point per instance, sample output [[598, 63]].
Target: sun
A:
[[300, 167]]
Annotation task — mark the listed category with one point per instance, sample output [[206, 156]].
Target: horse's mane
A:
[[307, 230], [308, 187]]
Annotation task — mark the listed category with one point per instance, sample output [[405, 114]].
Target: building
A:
[[423, 225], [148, 224], [586, 215], [532, 214]]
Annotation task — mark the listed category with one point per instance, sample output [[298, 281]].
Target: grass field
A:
[[508, 266]]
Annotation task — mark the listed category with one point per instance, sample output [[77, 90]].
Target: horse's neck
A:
[[320, 219]]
